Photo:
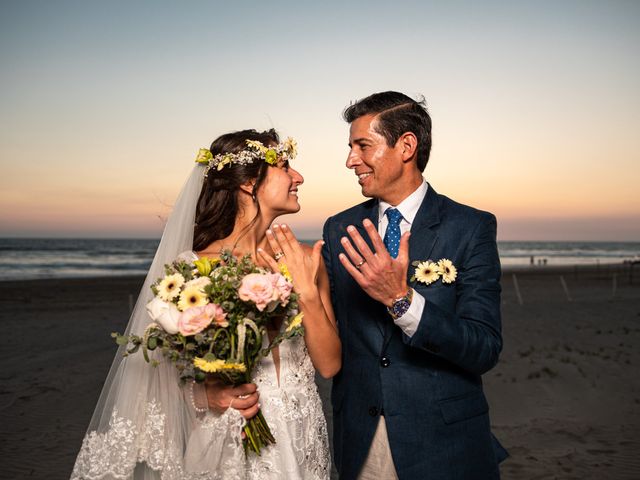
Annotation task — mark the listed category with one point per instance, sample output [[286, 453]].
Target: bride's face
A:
[[278, 193]]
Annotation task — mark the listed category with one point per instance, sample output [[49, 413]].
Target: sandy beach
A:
[[565, 398]]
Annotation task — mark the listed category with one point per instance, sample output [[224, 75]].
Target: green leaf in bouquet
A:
[[133, 349], [121, 339], [152, 343]]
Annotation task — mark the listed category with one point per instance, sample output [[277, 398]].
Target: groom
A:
[[408, 402]]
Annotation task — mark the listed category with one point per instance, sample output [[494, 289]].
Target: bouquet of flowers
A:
[[209, 319]]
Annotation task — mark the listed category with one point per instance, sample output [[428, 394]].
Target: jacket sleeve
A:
[[470, 336], [327, 255]]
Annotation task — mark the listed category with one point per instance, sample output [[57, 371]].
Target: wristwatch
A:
[[400, 305]]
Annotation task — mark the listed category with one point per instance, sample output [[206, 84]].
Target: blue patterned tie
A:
[[392, 235]]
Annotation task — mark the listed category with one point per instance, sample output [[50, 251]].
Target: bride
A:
[[147, 425]]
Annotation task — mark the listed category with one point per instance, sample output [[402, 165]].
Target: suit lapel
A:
[[424, 232], [371, 214], [423, 239]]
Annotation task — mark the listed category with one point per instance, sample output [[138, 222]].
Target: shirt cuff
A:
[[411, 319]]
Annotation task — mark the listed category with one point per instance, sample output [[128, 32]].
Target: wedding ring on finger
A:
[[278, 255], [359, 265]]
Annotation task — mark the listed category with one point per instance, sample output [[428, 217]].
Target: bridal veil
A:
[[141, 423]]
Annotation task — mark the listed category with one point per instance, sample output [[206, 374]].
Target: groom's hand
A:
[[382, 277]]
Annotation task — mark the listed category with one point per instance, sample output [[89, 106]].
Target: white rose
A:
[[198, 283], [166, 314]]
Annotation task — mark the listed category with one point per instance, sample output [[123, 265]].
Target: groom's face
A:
[[377, 166]]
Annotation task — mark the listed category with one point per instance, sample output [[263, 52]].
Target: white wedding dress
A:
[[293, 411], [212, 448]]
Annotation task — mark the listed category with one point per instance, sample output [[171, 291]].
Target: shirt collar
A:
[[409, 206]]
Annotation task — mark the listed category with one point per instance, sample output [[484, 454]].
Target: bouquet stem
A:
[[257, 434]]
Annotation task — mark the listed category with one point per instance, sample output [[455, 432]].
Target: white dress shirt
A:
[[409, 209]]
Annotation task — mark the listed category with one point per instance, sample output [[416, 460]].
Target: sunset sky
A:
[[535, 106]]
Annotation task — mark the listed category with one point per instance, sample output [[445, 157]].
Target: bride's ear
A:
[[248, 188]]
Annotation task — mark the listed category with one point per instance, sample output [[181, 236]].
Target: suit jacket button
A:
[[373, 411], [385, 362]]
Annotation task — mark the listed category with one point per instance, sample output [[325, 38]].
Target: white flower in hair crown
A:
[[284, 151], [428, 271]]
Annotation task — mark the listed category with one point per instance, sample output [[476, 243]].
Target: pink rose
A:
[[282, 286], [219, 316], [258, 288], [195, 319]]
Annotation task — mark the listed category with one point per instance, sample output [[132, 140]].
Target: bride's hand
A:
[[243, 398], [302, 264]]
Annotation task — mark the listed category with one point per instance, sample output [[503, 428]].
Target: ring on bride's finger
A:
[[278, 255], [362, 262]]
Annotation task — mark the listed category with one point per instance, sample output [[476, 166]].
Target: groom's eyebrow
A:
[[358, 141]]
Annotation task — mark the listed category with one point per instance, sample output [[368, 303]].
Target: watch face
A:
[[400, 307]]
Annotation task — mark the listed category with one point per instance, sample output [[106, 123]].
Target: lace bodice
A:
[[213, 448]]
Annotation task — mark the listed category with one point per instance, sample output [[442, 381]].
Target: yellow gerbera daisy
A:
[[217, 365], [192, 296], [209, 366], [448, 271], [238, 367], [427, 272], [169, 287]]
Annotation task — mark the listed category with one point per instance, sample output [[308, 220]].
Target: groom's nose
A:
[[353, 160]]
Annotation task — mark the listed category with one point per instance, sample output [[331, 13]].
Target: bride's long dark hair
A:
[[217, 206]]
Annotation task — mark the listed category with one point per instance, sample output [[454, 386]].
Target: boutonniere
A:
[[428, 271]]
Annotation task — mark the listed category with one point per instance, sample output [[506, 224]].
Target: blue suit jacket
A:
[[430, 390]]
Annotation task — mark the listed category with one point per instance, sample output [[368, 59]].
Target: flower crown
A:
[[255, 150]]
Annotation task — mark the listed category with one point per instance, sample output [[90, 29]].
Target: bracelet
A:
[[193, 402], [400, 305]]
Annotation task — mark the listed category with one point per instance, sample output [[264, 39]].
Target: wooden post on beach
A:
[[565, 288], [515, 284], [614, 285]]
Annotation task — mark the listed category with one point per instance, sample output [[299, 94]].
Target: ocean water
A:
[[33, 258], [23, 259], [567, 253]]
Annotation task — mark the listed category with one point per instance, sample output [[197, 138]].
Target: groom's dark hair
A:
[[397, 114]]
